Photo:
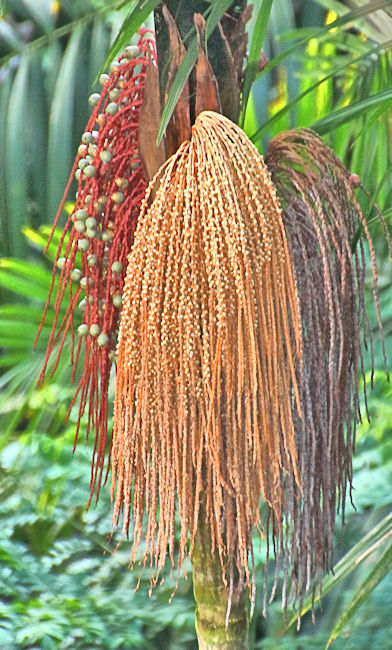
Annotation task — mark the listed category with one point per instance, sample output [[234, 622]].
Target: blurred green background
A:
[[61, 585]]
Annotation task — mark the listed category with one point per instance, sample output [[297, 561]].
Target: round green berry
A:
[[112, 108], [76, 275], [118, 197], [83, 282], [107, 235], [106, 156], [102, 339], [95, 329], [86, 137], [80, 226], [117, 267], [91, 223], [83, 245], [122, 182], [90, 171], [94, 99], [83, 330], [81, 214], [132, 51], [93, 234], [114, 93]]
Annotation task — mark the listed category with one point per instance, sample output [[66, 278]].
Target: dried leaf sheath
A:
[[208, 345]]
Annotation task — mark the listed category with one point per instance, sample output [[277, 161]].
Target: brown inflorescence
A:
[[97, 237], [209, 346], [323, 220]]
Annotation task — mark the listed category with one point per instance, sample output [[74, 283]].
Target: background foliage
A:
[[61, 585]]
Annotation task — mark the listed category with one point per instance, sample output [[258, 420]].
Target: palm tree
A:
[[258, 352]]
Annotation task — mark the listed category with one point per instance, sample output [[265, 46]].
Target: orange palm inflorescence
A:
[[209, 343]]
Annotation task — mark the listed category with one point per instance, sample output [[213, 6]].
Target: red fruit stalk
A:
[[97, 237]]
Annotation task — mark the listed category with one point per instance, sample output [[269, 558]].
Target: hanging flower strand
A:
[[209, 341], [94, 245]]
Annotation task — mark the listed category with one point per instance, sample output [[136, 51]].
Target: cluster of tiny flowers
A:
[[205, 371], [94, 246]]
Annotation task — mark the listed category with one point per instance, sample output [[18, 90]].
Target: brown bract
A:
[[208, 348]]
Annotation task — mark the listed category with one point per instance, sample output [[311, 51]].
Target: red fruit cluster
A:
[[97, 237]]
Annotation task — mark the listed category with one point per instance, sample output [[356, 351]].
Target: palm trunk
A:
[[212, 600]]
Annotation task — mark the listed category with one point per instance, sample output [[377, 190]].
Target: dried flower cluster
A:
[[209, 347], [322, 217], [93, 249]]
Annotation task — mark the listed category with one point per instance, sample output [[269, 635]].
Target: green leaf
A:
[[10, 36], [36, 141], [376, 29], [343, 115], [39, 239], [36, 238], [218, 8], [4, 99], [64, 30], [12, 359], [16, 335], [40, 13], [15, 168], [379, 571], [33, 273], [355, 556], [28, 280], [22, 313], [258, 37], [60, 152], [99, 44], [363, 10], [139, 13], [312, 87]]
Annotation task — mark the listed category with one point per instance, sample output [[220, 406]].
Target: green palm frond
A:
[[374, 549], [343, 91], [43, 105], [26, 285]]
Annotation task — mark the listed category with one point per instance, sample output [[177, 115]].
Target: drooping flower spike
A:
[[208, 347], [323, 218], [97, 237]]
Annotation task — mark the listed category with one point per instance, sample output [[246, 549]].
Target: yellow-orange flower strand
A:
[[206, 360]]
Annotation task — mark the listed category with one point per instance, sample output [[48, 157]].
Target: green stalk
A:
[[212, 598]]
